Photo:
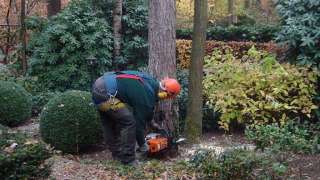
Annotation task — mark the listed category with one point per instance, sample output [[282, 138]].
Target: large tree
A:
[[162, 53], [53, 7], [193, 127], [117, 15]]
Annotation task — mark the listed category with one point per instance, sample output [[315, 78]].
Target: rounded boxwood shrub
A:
[[70, 122], [15, 104]]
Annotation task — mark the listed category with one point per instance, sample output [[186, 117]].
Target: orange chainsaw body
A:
[[157, 144]]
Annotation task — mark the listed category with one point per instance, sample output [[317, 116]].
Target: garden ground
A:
[[98, 164]]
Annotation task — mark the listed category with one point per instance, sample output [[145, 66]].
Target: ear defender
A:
[[162, 95]]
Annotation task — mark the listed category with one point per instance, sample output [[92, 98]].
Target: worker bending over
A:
[[126, 102]]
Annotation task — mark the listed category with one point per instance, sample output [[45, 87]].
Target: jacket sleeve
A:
[[142, 114]]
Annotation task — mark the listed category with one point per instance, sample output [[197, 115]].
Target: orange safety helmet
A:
[[171, 85]]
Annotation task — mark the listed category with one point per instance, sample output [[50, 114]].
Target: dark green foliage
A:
[[300, 30], [59, 47], [15, 104], [135, 34], [39, 100], [25, 161], [70, 122], [237, 164], [60, 50], [257, 33], [294, 137]]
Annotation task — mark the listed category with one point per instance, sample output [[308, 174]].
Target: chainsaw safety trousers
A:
[[119, 132]]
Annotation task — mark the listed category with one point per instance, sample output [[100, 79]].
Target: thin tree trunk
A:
[[193, 126], [53, 7], [231, 11], [5, 60], [117, 15], [247, 4], [162, 53], [23, 42]]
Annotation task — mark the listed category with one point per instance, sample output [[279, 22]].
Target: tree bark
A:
[[117, 15], [193, 128], [53, 7], [231, 8], [162, 54], [247, 4], [5, 60], [22, 38]]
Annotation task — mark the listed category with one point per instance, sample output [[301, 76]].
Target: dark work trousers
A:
[[119, 133], [119, 127]]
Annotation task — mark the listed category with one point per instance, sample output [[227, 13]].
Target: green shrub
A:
[[15, 104], [39, 100], [5, 73], [237, 164], [300, 30], [26, 160], [257, 89], [59, 47], [291, 137], [70, 122], [59, 51]]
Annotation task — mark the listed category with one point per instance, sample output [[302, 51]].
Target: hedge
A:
[[261, 33], [238, 49]]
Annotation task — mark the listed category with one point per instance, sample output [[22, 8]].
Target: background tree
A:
[[53, 7], [231, 9], [162, 52], [23, 40], [117, 15], [193, 127]]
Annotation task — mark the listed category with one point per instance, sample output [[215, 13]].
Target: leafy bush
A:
[[300, 30], [60, 50], [70, 122], [15, 104], [257, 89], [5, 73], [238, 49], [261, 33], [135, 34], [39, 100], [291, 137], [237, 164], [26, 160]]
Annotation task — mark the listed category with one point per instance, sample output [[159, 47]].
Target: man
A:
[[126, 101]]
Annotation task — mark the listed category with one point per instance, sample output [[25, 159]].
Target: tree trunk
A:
[[162, 54], [231, 8], [53, 7], [247, 4], [193, 128], [117, 15], [8, 33], [22, 38]]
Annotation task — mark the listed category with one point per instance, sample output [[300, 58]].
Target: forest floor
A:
[[98, 164]]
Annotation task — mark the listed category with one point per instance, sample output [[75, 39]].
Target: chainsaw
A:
[[160, 143]]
